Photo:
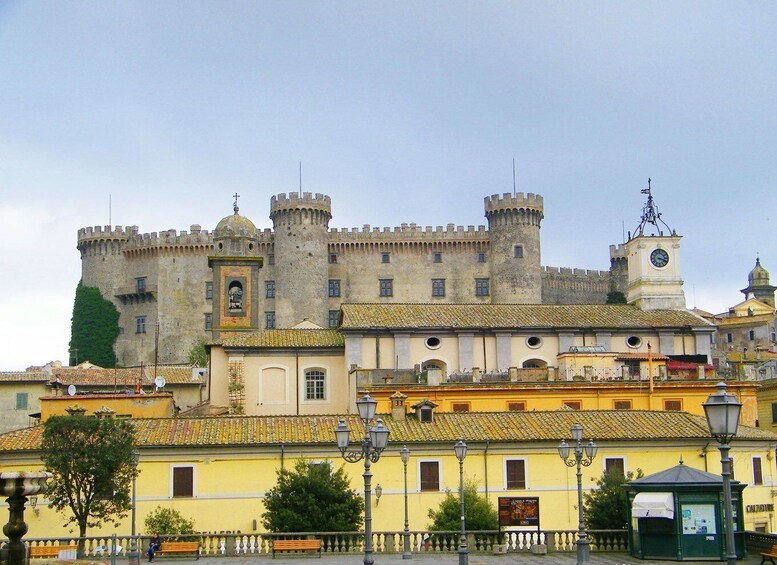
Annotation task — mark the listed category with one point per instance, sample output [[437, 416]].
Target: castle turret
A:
[[758, 286], [514, 248], [301, 226]]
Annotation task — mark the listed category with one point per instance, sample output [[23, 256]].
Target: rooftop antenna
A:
[[513, 177], [300, 179], [109, 210], [235, 206]]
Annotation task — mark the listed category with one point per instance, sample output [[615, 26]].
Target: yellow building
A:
[[217, 470]]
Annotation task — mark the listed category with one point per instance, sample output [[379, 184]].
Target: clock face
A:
[[659, 258]]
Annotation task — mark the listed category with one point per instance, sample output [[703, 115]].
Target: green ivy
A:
[[94, 328]]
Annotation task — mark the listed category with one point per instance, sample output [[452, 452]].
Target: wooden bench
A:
[[770, 555], [50, 550], [179, 547], [296, 545]]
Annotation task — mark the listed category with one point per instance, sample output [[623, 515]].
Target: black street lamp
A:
[[133, 556], [583, 455], [722, 411], [372, 445], [404, 454], [461, 452]]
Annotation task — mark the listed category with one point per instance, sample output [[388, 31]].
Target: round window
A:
[[633, 341], [221, 246], [534, 341], [433, 342], [250, 246]]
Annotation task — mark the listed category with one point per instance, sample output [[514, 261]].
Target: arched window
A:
[[315, 384], [534, 364], [235, 293]]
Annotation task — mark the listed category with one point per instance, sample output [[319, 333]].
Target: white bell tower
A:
[[654, 263]]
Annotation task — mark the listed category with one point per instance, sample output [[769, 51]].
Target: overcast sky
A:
[[400, 111]]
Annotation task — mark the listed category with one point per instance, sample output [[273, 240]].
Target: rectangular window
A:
[[430, 475], [519, 406], [437, 257], [140, 324], [334, 288], [729, 338], [140, 284], [208, 322], [183, 482], [208, 291], [386, 287], [518, 251], [21, 400], [385, 258], [460, 407], [751, 335], [271, 259], [269, 320], [481, 287], [515, 473], [758, 478], [573, 404], [673, 404], [621, 404], [774, 412], [332, 258], [481, 257], [438, 287], [269, 289], [334, 318], [314, 384], [615, 464]]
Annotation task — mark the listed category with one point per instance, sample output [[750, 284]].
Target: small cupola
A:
[[424, 410]]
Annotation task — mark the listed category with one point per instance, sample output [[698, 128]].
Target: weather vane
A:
[[651, 215], [234, 206]]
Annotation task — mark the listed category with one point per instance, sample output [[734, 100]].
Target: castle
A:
[[302, 269]]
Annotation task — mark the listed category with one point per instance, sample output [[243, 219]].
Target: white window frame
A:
[[304, 385], [752, 470], [259, 399], [440, 483], [610, 457], [193, 467], [525, 472]]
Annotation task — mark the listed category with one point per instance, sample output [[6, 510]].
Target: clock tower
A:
[[654, 262]]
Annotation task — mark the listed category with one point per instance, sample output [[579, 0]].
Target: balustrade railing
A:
[[246, 544]]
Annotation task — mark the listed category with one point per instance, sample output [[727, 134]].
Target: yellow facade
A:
[[159, 405]]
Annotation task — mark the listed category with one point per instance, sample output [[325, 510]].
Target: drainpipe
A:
[[296, 377], [485, 467]]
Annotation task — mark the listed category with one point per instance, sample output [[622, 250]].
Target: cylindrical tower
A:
[[301, 228], [102, 257], [514, 248]]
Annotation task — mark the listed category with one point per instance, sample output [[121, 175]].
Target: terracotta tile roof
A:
[[552, 426], [285, 338], [24, 376], [366, 316], [640, 357], [97, 376]]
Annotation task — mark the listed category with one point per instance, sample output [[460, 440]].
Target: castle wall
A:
[[574, 286]]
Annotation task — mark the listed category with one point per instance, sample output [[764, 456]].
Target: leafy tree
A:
[[198, 357], [312, 498], [479, 513], [606, 506], [94, 328], [168, 522], [616, 297], [92, 466]]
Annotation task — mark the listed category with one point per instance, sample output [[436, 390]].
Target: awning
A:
[[653, 505]]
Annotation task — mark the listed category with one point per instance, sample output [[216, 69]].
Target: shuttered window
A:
[[758, 478], [430, 475], [516, 473], [614, 464], [183, 482]]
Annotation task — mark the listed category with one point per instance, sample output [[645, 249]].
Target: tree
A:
[[479, 513], [198, 356], [94, 328], [616, 297], [168, 522], [606, 506], [91, 460], [312, 498]]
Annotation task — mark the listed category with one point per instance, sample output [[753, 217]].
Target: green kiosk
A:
[[677, 514]]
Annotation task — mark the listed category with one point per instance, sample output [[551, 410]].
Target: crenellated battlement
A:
[[293, 201], [133, 240], [408, 232], [105, 232], [507, 201], [574, 272], [618, 252]]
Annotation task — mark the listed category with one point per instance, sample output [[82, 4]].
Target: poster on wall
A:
[[698, 519], [519, 511]]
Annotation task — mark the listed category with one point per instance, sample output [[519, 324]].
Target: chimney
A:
[[398, 411]]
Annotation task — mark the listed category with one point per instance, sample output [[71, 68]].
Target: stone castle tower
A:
[[196, 285]]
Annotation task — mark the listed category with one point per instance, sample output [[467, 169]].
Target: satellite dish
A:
[[71, 390], [160, 382]]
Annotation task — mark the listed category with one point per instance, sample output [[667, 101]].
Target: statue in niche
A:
[[235, 297]]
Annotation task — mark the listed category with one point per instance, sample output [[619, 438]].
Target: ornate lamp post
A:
[[371, 446], [404, 454], [133, 556], [582, 455], [461, 452], [722, 411], [17, 486]]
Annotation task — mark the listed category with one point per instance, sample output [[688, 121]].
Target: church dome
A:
[[758, 276], [235, 225]]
